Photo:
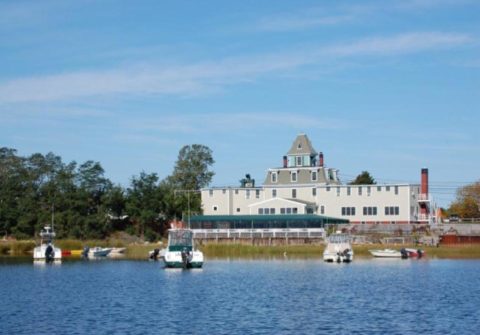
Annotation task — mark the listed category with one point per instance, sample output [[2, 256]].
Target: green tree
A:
[[191, 173], [363, 178], [143, 205]]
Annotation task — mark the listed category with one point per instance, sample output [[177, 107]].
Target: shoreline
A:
[[230, 250]]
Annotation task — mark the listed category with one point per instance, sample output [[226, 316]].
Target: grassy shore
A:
[[214, 250], [471, 251]]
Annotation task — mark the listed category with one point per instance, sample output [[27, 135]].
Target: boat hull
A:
[[386, 253], [40, 252], [174, 259]]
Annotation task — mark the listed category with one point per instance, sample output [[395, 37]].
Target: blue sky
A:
[[383, 86]]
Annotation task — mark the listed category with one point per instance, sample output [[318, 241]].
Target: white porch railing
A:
[[258, 233]]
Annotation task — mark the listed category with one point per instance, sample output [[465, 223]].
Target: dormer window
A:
[[299, 160], [299, 146], [294, 176], [274, 177], [314, 176]]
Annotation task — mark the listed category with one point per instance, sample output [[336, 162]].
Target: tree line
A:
[[85, 204]]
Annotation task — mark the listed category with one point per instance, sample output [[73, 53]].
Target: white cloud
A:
[[203, 77]]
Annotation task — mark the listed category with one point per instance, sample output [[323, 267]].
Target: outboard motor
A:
[[186, 259], [404, 253], [85, 251], [49, 254], [419, 253], [155, 253], [346, 256]]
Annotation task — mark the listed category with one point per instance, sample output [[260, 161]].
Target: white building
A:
[[303, 185]]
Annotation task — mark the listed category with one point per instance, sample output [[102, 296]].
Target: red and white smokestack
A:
[[285, 161], [424, 182], [320, 159]]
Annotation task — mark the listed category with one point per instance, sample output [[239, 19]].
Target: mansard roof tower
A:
[[302, 165]]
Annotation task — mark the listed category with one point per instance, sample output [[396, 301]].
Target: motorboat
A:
[[338, 249], [386, 253], [418, 253], [95, 252], [47, 251], [180, 252]]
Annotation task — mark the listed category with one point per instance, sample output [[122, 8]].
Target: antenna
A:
[[188, 201]]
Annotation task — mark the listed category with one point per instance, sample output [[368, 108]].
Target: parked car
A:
[[454, 218]]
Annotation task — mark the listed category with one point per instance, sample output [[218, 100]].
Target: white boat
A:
[[47, 251], [96, 252], [180, 252], [386, 253], [117, 251], [338, 249]]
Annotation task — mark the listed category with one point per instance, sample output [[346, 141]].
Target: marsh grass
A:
[[17, 248], [140, 251], [230, 250], [253, 251]]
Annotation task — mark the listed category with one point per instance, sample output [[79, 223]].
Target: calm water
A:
[[241, 297]]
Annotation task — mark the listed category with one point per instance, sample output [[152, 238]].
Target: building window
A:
[[247, 194], [314, 176], [289, 211], [348, 211], [282, 210], [322, 209], [349, 190], [379, 188], [360, 190], [295, 210], [236, 191], [272, 210], [387, 188], [257, 194], [266, 210], [396, 190], [392, 210], [224, 191], [215, 208], [274, 193], [294, 193], [369, 190], [294, 176], [328, 189], [338, 191], [260, 211], [314, 191], [238, 210], [274, 177], [299, 160], [210, 193]]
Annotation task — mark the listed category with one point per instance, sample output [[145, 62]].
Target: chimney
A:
[[320, 159], [424, 192], [285, 161], [424, 182]]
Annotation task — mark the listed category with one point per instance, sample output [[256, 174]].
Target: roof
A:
[[302, 146], [280, 217]]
